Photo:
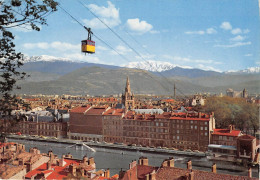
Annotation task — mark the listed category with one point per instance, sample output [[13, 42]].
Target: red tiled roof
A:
[[226, 132], [167, 100], [57, 172], [115, 112], [178, 173], [96, 111], [80, 109], [6, 144], [142, 170]]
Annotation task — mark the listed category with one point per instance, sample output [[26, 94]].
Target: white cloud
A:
[[236, 31], [195, 32], [237, 44], [189, 60], [138, 26], [109, 15], [226, 26], [207, 68], [82, 57], [211, 31], [41, 45], [202, 32], [102, 48], [121, 50], [238, 38], [57, 45], [248, 55]]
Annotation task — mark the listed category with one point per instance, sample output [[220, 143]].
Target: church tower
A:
[[128, 98]]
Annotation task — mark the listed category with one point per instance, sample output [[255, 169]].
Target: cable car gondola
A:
[[88, 46]]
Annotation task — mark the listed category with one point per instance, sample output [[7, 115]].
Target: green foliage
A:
[[17, 13], [235, 111]]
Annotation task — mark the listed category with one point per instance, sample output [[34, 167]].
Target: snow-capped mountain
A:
[[154, 66], [45, 58], [251, 70]]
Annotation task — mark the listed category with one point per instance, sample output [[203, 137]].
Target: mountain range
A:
[[52, 75]]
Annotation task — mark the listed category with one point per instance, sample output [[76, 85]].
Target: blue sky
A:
[[216, 35]]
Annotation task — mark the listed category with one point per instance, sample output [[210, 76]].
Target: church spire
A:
[[127, 86]]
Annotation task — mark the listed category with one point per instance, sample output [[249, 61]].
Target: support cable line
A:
[[122, 56], [117, 35]]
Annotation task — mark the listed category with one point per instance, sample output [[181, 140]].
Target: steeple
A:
[[127, 86], [128, 98]]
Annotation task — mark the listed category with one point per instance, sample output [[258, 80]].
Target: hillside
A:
[[99, 81]]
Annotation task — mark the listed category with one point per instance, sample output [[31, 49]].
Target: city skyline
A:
[[206, 35]]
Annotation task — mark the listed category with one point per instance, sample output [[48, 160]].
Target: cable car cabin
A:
[[88, 46]]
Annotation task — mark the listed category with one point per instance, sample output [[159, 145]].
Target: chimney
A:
[[250, 172], [189, 165], [29, 167], [165, 163], [143, 161], [82, 171], [230, 128], [171, 162], [107, 173], [72, 169], [21, 162], [191, 175], [214, 168], [91, 161], [61, 161], [68, 156], [49, 165], [132, 164], [85, 160], [151, 176], [38, 151]]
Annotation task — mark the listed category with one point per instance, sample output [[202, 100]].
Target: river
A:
[[116, 160]]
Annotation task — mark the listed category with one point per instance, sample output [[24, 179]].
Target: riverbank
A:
[[111, 146]]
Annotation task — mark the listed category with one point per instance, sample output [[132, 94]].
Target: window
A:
[[191, 126], [157, 124], [201, 128], [178, 137], [178, 131], [206, 133], [195, 127], [191, 122], [206, 123], [206, 128]]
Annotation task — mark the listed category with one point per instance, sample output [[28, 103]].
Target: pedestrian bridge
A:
[[81, 145]]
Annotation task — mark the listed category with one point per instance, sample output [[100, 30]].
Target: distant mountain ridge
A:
[[251, 70], [79, 78], [154, 66]]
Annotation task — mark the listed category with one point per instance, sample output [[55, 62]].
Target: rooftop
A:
[[226, 132], [80, 109]]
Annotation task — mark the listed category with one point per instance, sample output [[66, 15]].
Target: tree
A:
[[234, 111], [24, 14]]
